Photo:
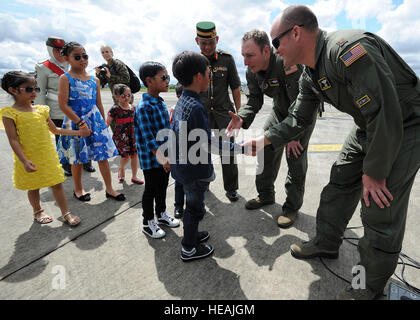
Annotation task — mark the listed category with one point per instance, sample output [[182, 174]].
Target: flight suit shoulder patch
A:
[[290, 70], [353, 54], [324, 83], [363, 101], [273, 82]]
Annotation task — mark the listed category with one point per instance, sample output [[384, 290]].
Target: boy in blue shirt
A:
[[194, 170], [150, 117]]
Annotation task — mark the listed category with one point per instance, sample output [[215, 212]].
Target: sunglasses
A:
[[77, 57], [165, 77], [276, 40], [128, 95], [31, 89]]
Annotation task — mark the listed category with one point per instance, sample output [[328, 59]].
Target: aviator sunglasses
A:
[[31, 89], [77, 57], [276, 40]]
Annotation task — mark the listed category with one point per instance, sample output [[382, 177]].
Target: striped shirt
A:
[[151, 115]]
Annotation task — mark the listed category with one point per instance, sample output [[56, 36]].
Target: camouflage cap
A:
[[206, 30], [55, 42]]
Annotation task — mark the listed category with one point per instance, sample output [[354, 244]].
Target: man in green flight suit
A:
[[216, 100], [266, 75], [360, 74]]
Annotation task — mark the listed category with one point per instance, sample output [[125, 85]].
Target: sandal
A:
[[73, 221], [121, 178], [42, 220], [137, 181], [84, 197]]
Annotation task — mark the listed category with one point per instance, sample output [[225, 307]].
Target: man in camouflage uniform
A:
[[360, 74], [115, 71], [48, 76], [216, 100], [266, 75]]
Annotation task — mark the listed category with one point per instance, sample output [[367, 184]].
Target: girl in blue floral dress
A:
[[80, 101]]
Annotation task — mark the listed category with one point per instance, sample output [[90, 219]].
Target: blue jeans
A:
[[179, 196], [194, 211]]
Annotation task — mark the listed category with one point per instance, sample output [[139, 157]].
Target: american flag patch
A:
[[290, 70], [353, 54]]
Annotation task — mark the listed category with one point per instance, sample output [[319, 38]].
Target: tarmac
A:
[[108, 257]]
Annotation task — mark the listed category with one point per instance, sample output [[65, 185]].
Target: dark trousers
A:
[[179, 196], [381, 244], [155, 184], [194, 211]]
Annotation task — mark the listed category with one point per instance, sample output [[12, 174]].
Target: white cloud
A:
[[157, 30]]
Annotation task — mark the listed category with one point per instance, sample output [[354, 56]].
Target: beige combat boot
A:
[[287, 219], [309, 249]]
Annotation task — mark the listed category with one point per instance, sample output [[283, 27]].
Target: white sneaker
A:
[[153, 230], [168, 220]]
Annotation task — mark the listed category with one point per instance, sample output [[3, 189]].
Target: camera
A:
[[102, 71]]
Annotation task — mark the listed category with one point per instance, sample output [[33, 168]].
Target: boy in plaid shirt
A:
[[151, 116]]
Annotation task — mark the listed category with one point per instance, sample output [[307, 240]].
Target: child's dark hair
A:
[[187, 64], [178, 89], [149, 69], [13, 79], [119, 89], [68, 48]]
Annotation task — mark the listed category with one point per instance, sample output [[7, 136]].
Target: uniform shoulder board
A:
[[223, 52]]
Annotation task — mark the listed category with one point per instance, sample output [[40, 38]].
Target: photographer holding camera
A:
[[113, 72]]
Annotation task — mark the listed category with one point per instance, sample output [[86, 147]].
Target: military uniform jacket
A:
[[361, 75], [119, 74], [223, 74], [48, 81], [277, 83]]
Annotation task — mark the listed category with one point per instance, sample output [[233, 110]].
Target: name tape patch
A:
[[352, 55], [363, 100]]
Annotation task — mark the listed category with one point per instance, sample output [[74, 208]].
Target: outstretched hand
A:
[[378, 190], [234, 125], [253, 146]]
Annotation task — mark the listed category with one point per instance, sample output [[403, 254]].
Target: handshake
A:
[[250, 147]]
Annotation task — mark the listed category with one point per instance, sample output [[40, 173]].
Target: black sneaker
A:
[[199, 252], [66, 169], [203, 236], [232, 195], [178, 213], [88, 167]]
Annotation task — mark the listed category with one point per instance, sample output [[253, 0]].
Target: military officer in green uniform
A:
[[266, 75], [216, 100], [360, 74]]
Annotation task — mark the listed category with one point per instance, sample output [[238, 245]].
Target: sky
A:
[[140, 30]]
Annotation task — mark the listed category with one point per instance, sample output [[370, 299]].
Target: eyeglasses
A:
[[128, 95], [31, 89], [165, 77], [77, 57], [276, 40]]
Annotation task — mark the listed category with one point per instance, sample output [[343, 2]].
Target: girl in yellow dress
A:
[[36, 163]]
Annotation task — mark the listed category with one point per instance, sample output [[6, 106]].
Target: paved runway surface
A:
[[108, 257]]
